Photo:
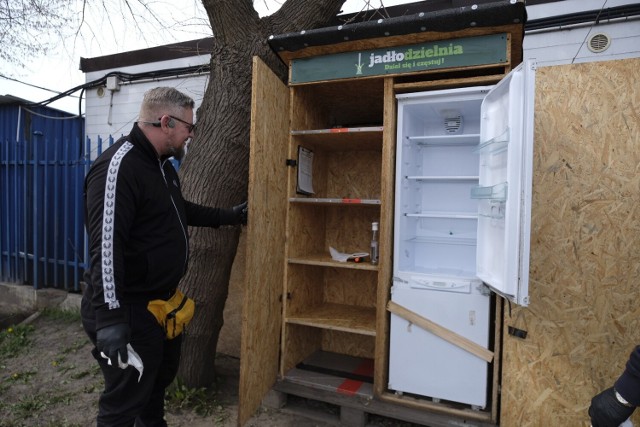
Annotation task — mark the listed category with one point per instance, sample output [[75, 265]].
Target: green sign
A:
[[489, 49]]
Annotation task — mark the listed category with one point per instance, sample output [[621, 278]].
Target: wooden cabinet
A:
[[302, 309], [326, 306]]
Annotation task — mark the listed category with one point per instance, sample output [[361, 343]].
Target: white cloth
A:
[[134, 360]]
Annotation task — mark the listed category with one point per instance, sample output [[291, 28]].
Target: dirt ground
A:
[[56, 382]]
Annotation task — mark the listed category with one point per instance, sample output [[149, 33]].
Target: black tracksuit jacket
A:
[[137, 220]]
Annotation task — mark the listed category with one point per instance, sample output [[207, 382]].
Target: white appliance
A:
[[462, 223]]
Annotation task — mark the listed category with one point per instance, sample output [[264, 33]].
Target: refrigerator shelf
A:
[[496, 192], [443, 178], [445, 140], [494, 145], [404, 277], [443, 240], [438, 214]]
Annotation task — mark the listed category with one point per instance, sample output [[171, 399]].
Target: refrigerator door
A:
[[505, 181]]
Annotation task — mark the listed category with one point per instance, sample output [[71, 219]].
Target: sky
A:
[[46, 75]]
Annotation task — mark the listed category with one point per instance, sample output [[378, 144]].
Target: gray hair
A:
[[164, 100]]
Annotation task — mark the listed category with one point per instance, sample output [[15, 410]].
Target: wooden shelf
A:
[[337, 201], [336, 139], [338, 317], [327, 261]]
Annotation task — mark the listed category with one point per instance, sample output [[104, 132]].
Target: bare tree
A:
[[216, 170], [23, 23]]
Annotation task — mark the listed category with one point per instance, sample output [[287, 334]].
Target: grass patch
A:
[[67, 316], [201, 400], [14, 339]]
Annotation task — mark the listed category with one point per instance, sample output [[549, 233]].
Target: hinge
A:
[[288, 296], [291, 162]]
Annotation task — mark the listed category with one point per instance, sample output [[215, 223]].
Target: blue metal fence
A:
[[42, 237], [42, 241]]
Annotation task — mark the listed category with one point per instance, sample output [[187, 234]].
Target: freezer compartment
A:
[[424, 364], [442, 113], [431, 243]]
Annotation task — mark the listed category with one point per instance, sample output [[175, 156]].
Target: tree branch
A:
[[297, 15], [231, 20]]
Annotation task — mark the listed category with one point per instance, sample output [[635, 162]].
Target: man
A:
[[613, 406], [137, 221]]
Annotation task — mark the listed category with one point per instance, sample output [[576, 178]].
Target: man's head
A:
[[166, 118]]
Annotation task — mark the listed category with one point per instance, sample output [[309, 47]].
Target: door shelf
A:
[[496, 192], [438, 140], [344, 201], [495, 145], [325, 260], [338, 317], [355, 138]]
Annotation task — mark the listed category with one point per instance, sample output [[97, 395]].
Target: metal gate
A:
[[42, 168]]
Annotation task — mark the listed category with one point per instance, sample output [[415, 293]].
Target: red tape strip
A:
[[351, 387]]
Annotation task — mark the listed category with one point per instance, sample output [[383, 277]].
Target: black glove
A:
[[607, 411], [240, 211], [112, 340]]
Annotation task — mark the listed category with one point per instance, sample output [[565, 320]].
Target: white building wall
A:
[[112, 113], [555, 46]]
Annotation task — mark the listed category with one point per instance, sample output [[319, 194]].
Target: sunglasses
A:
[[191, 127]]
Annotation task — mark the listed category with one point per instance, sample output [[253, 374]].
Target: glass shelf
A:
[[436, 214], [440, 140], [443, 178], [443, 240], [496, 192]]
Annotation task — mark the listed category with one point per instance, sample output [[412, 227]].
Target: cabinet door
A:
[[262, 308], [504, 192]]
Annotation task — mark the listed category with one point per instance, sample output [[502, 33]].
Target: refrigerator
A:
[[461, 229]]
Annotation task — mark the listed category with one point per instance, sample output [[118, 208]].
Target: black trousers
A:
[[125, 401]]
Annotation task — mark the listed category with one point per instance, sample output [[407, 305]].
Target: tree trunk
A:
[[215, 171]]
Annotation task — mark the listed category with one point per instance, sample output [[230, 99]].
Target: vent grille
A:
[[599, 42], [453, 124]]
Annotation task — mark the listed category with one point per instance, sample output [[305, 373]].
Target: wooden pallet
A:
[[345, 383]]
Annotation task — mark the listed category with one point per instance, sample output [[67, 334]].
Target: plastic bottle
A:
[[374, 243]]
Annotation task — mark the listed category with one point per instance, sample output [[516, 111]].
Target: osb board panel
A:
[[261, 313], [338, 104], [306, 229], [349, 228], [299, 343], [304, 288], [387, 179], [583, 320], [354, 174], [349, 344], [353, 287]]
